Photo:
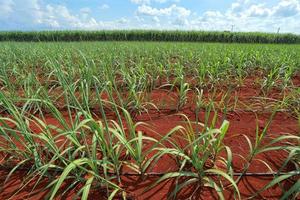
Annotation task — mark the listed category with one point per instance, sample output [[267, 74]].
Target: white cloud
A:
[[85, 10], [140, 1], [287, 8], [143, 2], [155, 19], [6, 7], [60, 17], [33, 14], [212, 14], [172, 10], [179, 22], [123, 20], [139, 18], [20, 11], [245, 15], [104, 7], [258, 10], [246, 8]]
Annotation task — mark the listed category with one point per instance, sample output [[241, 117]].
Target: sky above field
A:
[[236, 15]]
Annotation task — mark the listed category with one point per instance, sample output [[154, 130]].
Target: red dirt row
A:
[[241, 123]]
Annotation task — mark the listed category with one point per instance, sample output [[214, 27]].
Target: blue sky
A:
[[241, 15]]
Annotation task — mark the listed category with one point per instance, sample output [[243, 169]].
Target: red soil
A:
[[241, 123]]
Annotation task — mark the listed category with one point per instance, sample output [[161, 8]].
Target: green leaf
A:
[[173, 175], [294, 189], [112, 195], [274, 182], [64, 175], [212, 184], [87, 188], [223, 174], [182, 185]]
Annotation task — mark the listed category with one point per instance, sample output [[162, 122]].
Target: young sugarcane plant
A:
[[139, 105], [293, 191], [270, 80], [199, 106], [260, 147], [182, 96], [132, 143], [74, 157], [196, 165]]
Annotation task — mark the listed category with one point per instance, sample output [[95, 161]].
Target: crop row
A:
[[151, 35], [133, 70], [97, 153]]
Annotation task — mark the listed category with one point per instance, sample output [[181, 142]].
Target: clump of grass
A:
[[182, 92], [293, 158], [197, 160]]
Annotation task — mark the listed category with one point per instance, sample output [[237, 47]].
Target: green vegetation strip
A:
[[151, 35]]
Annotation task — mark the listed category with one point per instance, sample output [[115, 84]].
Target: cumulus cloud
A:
[[258, 10], [60, 17], [6, 7], [85, 10], [19, 13], [156, 19], [151, 1], [247, 15], [212, 14], [33, 14], [246, 8], [287, 8], [179, 22], [243, 15], [172, 10], [104, 7]]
